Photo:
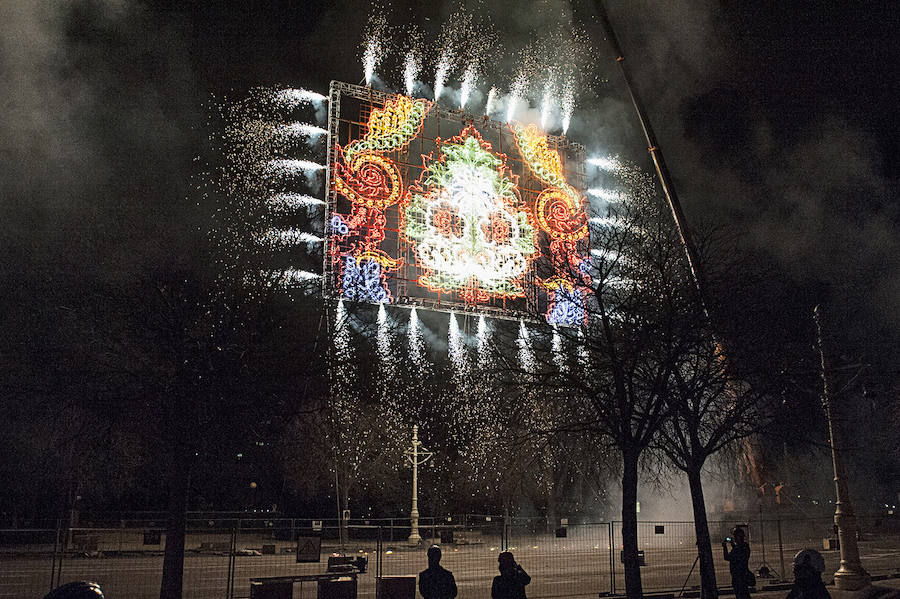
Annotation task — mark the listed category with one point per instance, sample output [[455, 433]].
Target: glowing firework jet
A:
[[383, 342], [291, 201], [470, 76], [546, 105], [608, 195], [293, 276], [342, 331], [492, 97], [302, 129], [559, 357], [290, 166]]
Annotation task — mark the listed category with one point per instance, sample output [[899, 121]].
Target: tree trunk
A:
[[708, 587], [173, 559], [633, 589]]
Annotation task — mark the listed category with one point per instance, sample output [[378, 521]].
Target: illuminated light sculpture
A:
[[471, 231], [372, 182], [561, 214], [423, 209]]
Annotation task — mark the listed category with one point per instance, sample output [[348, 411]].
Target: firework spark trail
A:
[[546, 106], [416, 342], [293, 97], [470, 76], [491, 98], [342, 331], [302, 129], [607, 164], [605, 254], [584, 355], [602, 221], [517, 92]]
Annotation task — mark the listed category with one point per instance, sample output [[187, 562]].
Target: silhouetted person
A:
[[738, 562], [436, 582], [510, 584], [808, 567]]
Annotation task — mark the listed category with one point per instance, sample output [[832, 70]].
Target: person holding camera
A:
[[738, 562], [510, 584]]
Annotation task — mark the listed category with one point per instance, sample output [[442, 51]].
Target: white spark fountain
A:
[[609, 195], [444, 65], [292, 97], [456, 346], [607, 164], [583, 352], [342, 331], [546, 105], [292, 166], [292, 201], [410, 71], [516, 93], [470, 76], [567, 104], [559, 357], [526, 356], [302, 129], [416, 343], [602, 221], [482, 339], [383, 343], [491, 98], [291, 236]]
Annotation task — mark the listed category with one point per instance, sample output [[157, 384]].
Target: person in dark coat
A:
[[808, 567], [510, 584], [738, 562], [436, 582]]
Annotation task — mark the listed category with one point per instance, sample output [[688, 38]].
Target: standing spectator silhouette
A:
[[510, 584], [436, 582], [808, 567], [738, 562]]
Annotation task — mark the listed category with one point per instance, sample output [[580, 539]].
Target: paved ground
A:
[[572, 567]]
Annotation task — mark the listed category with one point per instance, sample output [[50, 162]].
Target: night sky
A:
[[777, 120]]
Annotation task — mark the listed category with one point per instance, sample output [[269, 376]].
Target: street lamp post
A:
[[416, 455], [851, 576]]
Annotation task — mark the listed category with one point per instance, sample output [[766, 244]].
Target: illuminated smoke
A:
[[411, 66], [491, 98], [605, 222], [567, 103], [293, 97], [468, 83], [526, 355], [607, 164], [416, 342]]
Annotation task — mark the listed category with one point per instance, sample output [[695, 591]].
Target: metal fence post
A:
[[612, 561], [781, 551], [55, 549], [229, 584]]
